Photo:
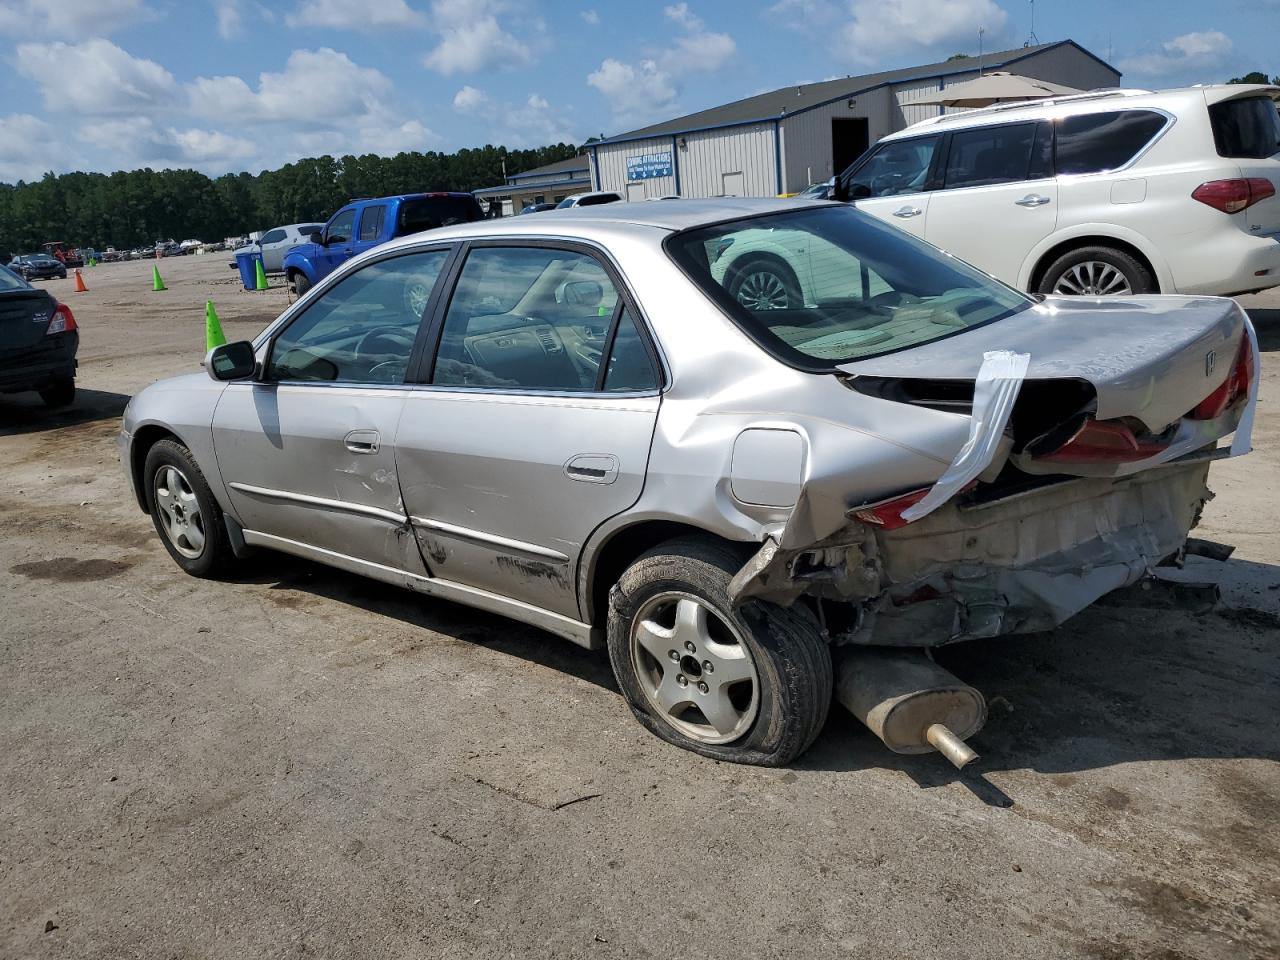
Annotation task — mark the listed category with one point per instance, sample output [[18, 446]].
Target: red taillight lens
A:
[[1104, 442], [888, 513], [1235, 386], [62, 322], [1232, 196]]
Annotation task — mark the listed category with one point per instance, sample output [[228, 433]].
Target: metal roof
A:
[[796, 99], [579, 162], [523, 187]]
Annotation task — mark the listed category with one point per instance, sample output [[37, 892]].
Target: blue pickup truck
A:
[[363, 224]]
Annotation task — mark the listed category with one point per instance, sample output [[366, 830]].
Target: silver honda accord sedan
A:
[[730, 440]]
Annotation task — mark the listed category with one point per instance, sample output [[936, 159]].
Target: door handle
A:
[[1032, 200], [593, 468], [361, 441], [906, 213]]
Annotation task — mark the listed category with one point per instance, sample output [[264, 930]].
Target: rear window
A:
[[1246, 129], [817, 288], [427, 213], [1094, 142], [11, 281]]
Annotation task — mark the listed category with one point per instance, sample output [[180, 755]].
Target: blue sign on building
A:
[[649, 166]]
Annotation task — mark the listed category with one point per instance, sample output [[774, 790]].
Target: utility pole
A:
[[1033, 40]]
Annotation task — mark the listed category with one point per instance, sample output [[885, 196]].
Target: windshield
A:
[[1247, 129], [822, 287], [11, 281]]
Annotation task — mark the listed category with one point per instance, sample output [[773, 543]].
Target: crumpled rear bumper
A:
[[1020, 564]]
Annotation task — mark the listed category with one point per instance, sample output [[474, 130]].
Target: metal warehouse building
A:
[[548, 184], [781, 142]]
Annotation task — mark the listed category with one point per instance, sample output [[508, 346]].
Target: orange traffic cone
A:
[[80, 287]]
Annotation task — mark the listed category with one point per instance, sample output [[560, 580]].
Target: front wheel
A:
[[749, 684], [184, 510], [300, 284], [1097, 272]]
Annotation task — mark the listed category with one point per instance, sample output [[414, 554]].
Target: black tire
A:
[[215, 556], [791, 656], [300, 284], [60, 393], [749, 284], [1137, 276]]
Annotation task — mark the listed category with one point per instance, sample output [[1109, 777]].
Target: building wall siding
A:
[[708, 156], [806, 137], [612, 166], [1069, 66]]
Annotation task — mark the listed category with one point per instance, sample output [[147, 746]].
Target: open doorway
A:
[[850, 137]]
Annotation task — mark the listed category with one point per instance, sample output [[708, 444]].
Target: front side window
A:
[[1096, 142], [990, 155], [341, 227], [1247, 129], [901, 166], [855, 287], [535, 318], [371, 221], [363, 328]]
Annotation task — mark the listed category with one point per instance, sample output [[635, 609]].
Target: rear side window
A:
[[273, 236], [1246, 129], [990, 155], [1094, 142], [371, 221], [427, 213]]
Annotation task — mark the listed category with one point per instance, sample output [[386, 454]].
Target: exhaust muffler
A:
[[910, 702]]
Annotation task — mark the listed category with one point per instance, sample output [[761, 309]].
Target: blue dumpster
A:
[[248, 271]]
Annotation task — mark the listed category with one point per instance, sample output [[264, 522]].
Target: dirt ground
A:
[[303, 763]]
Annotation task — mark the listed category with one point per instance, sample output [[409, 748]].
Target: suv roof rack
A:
[[1045, 102]]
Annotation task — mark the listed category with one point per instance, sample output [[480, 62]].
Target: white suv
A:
[[1117, 192]]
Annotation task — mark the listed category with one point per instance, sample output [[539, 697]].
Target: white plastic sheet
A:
[[1242, 442], [994, 392]]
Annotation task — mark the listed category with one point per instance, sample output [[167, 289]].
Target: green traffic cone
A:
[[156, 282], [213, 336], [260, 275]]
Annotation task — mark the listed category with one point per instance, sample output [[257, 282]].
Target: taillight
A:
[[1235, 386], [1102, 442], [1232, 196], [888, 513], [62, 322]]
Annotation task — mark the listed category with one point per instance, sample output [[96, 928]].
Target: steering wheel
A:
[[388, 371]]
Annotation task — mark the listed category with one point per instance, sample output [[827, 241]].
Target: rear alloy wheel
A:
[[764, 283], [60, 393], [1097, 272], [184, 511], [745, 684]]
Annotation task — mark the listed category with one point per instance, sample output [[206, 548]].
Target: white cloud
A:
[[591, 17], [472, 38], [535, 123], [70, 19], [468, 100], [876, 29], [345, 15], [699, 50], [635, 93], [26, 144], [139, 141], [94, 77], [229, 18], [1183, 57]]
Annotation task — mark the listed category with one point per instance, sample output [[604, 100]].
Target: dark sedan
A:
[[38, 266], [38, 342]]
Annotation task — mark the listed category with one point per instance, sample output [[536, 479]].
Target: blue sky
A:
[[238, 85]]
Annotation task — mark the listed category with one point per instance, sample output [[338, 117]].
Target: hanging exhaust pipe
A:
[[909, 702]]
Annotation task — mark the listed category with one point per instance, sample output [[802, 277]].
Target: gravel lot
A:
[[303, 763]]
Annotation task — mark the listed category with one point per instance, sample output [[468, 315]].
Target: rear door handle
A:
[[1032, 200], [593, 468], [906, 213], [361, 441]]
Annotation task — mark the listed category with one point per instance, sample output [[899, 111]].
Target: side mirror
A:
[[317, 238], [232, 361], [582, 293]]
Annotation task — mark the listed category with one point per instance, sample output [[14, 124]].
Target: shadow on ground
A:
[[25, 413], [1267, 323]]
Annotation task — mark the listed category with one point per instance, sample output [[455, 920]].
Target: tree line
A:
[[137, 207]]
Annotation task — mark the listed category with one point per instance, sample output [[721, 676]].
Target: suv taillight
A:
[[62, 322], [1232, 196]]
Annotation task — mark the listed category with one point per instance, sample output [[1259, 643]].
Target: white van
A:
[[1116, 192]]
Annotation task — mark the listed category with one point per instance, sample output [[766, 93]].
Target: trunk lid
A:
[[1150, 358], [24, 318]]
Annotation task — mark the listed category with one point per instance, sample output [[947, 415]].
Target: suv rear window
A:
[[427, 213], [1094, 142], [1246, 129]]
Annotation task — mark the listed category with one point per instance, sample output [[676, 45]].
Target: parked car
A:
[[538, 207], [38, 342], [38, 266], [819, 191], [278, 241], [588, 199], [364, 224], [596, 438], [1119, 192]]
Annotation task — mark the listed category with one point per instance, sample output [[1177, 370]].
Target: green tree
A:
[[1257, 76]]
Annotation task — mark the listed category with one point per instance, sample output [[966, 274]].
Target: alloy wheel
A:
[[694, 668], [179, 512], [1093, 278], [763, 290]]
